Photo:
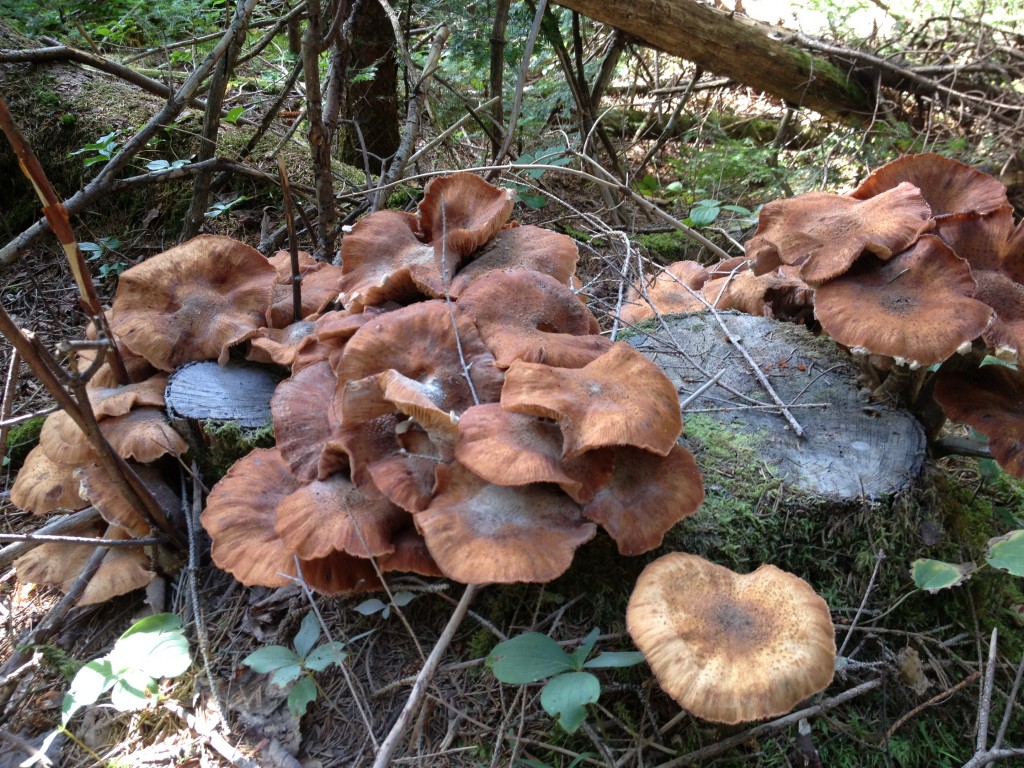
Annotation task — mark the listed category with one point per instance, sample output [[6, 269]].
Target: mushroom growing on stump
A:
[[727, 647], [670, 292], [193, 301], [824, 234]]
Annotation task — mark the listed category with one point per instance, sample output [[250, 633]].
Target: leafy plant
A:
[[165, 165], [532, 657], [286, 666], [1004, 552], [373, 605], [705, 212], [101, 150], [556, 155], [153, 648], [217, 209]]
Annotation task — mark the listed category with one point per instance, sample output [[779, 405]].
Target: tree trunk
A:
[[739, 48]]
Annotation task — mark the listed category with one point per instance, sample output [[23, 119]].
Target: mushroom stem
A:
[[424, 678]]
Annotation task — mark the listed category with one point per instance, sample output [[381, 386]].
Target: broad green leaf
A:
[[1007, 552], [158, 622], [615, 659], [566, 697], [301, 696], [737, 209], [648, 185], [90, 682], [935, 575], [531, 199], [233, 114], [308, 634], [702, 216], [271, 658], [676, 188], [580, 654], [403, 598], [285, 676], [325, 655], [527, 659], [155, 645], [133, 690], [370, 607], [90, 247]]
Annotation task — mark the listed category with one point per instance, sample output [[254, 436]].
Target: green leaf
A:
[[648, 185], [738, 209], [566, 697], [702, 216], [308, 634], [285, 676], [370, 607], [158, 165], [325, 655], [301, 696], [531, 199], [676, 188], [580, 654], [133, 690], [156, 645], [1007, 552], [527, 659], [90, 682], [935, 575], [271, 658], [403, 598], [615, 659], [233, 115]]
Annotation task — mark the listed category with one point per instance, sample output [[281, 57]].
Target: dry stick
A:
[[517, 102], [1009, 705], [317, 134], [702, 389], [195, 215], [293, 240], [59, 524], [986, 693], [700, 755], [100, 184], [45, 539], [424, 678], [412, 117], [7, 407], [879, 557], [662, 140], [940, 696]]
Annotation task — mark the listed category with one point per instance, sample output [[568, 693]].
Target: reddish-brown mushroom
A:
[[524, 247], [44, 485], [824, 234], [459, 213], [193, 301], [320, 285], [302, 407], [672, 291], [621, 398]]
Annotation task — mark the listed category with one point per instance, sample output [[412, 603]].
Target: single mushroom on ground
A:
[[727, 647]]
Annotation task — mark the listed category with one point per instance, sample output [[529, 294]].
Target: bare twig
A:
[[879, 559], [57, 525]]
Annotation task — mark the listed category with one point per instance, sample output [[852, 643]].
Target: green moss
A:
[[227, 443], [665, 247], [21, 439]]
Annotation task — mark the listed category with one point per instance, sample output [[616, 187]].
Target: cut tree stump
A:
[[851, 448], [207, 391]]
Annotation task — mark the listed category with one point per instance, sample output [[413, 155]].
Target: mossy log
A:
[[741, 48]]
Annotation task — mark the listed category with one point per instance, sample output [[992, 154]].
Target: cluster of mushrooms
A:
[[919, 272], [459, 415]]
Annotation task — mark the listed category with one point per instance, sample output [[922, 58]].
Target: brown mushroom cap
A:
[[193, 301], [667, 293], [240, 518], [508, 448], [62, 441], [825, 234], [302, 407], [621, 398], [991, 400], [728, 647], [384, 259], [916, 307], [44, 485], [144, 435], [544, 323], [461, 212], [995, 250], [332, 515], [117, 401], [523, 247], [278, 346], [646, 495], [949, 186], [480, 533], [321, 284]]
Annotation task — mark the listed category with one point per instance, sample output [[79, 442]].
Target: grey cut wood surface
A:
[[206, 390], [851, 448]]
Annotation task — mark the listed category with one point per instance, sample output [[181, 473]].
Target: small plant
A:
[[217, 209], [165, 165], [373, 605], [1005, 552], [286, 666], [557, 155], [100, 151], [706, 212], [96, 252], [532, 657]]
